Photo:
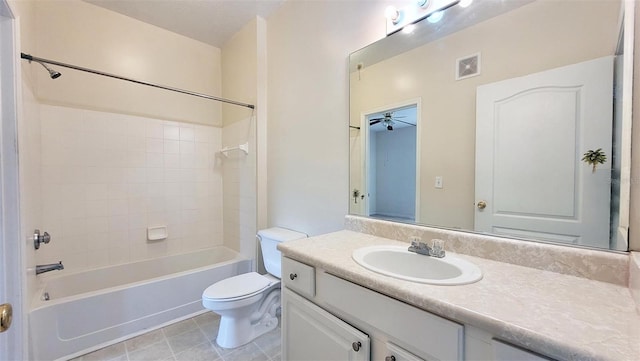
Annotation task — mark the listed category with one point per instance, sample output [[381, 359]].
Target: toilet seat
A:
[[237, 287]]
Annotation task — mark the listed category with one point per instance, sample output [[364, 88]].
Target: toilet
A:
[[248, 303]]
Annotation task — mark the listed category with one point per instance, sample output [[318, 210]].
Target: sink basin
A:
[[396, 261]]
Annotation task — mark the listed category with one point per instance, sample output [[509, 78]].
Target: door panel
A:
[[531, 134]]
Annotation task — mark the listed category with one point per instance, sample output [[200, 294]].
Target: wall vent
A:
[[468, 66]]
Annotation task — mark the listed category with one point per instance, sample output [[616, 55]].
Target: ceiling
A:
[[210, 21], [403, 117]]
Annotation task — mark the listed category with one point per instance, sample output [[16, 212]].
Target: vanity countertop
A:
[[562, 316]]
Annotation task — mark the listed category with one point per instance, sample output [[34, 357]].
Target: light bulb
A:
[[465, 3], [392, 14], [435, 17], [422, 3]]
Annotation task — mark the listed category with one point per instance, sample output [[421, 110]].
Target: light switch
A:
[[438, 182]]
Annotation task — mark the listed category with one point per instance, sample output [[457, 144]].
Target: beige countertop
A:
[[558, 315]]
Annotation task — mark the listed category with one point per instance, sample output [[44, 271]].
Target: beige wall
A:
[[239, 78], [308, 89], [240, 82], [79, 33], [448, 106]]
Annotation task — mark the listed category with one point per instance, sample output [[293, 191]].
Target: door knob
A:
[[6, 315], [482, 205]]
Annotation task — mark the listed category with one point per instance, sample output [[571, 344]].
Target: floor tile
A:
[[157, 351], [206, 318], [269, 343], [179, 327], [249, 352], [107, 353], [144, 340], [186, 340], [201, 352]]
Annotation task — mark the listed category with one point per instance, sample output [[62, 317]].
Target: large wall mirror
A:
[[510, 118]]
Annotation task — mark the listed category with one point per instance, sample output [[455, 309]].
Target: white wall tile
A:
[[171, 132], [155, 160], [187, 133], [155, 129], [171, 146], [155, 145], [107, 177]]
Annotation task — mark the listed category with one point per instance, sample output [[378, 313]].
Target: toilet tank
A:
[[269, 239]]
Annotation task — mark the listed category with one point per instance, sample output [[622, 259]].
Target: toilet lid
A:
[[237, 286]]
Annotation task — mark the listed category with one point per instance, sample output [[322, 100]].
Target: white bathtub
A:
[[92, 309]]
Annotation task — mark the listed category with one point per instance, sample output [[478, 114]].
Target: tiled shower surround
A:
[[107, 177]]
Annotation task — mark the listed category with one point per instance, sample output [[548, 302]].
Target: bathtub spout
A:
[[49, 267]]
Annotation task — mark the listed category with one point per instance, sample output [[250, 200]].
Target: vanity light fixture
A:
[[392, 14], [397, 19], [435, 17]]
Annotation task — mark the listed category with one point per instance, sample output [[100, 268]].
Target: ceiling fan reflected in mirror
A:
[[388, 120]]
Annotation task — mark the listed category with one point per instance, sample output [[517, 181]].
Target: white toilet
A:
[[248, 303]]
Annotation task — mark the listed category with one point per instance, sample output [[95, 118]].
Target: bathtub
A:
[[93, 309]]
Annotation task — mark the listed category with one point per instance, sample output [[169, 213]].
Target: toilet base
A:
[[237, 331]]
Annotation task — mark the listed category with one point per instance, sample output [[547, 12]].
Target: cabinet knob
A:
[[390, 358], [356, 346], [293, 276]]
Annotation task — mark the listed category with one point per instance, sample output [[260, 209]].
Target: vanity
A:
[[335, 309], [489, 128]]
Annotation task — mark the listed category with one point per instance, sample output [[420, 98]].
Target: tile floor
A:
[[189, 340]]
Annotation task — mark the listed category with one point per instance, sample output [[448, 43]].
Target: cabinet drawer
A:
[[299, 277]]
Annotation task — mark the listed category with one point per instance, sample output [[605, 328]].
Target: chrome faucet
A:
[[49, 267], [436, 250]]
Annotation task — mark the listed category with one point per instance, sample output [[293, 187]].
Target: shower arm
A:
[[87, 70]]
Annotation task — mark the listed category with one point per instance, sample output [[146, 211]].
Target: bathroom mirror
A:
[[509, 118]]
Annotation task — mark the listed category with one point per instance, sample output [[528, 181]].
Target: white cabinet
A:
[[397, 353], [505, 352], [311, 333], [327, 318]]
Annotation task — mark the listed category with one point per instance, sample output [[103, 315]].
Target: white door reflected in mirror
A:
[[531, 132]]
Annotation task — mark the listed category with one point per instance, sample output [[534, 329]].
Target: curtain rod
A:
[[75, 67]]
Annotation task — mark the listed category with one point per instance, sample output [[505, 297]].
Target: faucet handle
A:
[[415, 241], [437, 248]]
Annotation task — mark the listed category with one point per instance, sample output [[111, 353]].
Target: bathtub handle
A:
[[293, 276], [40, 238]]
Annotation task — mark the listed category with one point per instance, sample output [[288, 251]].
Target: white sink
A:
[[396, 261]]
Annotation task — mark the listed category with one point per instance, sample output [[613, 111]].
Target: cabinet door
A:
[[311, 333]]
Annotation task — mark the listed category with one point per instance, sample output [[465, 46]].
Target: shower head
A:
[[54, 74]]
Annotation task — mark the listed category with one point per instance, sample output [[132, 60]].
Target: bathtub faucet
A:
[[49, 267]]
